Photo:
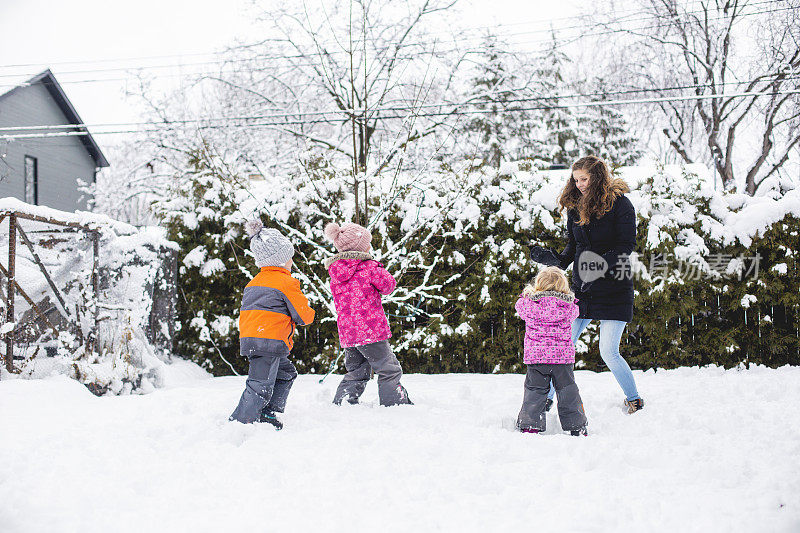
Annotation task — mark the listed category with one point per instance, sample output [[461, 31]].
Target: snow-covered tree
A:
[[349, 79], [736, 61], [558, 125], [604, 130], [499, 127], [126, 190]]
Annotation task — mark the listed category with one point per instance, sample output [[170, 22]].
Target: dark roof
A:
[[47, 79]]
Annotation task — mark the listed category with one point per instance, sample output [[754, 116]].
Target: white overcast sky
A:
[[39, 34]]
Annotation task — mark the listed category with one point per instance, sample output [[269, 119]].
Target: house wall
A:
[[61, 160]]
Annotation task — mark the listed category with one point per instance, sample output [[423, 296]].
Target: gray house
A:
[[44, 170]]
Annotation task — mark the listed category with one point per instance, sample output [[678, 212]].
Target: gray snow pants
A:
[[268, 383], [537, 385], [379, 357]]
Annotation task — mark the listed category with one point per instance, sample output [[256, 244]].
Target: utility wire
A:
[[312, 56], [376, 50], [170, 126], [624, 13], [360, 111]]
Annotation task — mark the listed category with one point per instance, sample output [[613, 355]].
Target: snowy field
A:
[[714, 450]]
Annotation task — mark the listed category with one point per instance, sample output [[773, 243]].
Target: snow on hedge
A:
[[461, 233]]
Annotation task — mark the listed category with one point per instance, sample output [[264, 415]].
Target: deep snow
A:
[[714, 450]]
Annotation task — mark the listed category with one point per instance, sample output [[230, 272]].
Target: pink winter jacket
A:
[[357, 283], [548, 317]]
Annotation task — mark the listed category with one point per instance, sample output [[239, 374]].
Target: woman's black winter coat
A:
[[612, 236]]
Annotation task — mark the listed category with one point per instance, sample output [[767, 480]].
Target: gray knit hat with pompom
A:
[[269, 246]]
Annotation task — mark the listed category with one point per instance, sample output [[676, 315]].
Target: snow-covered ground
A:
[[714, 450]]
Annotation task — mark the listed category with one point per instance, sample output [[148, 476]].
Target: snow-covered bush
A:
[[707, 277], [457, 241]]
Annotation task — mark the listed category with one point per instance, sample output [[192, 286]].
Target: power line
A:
[[402, 45], [335, 52], [171, 126], [223, 52], [360, 111], [296, 65]]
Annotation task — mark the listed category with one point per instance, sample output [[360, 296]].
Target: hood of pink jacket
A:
[[548, 307]]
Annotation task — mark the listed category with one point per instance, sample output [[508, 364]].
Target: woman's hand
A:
[[544, 256]]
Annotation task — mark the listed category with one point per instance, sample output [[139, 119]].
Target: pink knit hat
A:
[[349, 237]]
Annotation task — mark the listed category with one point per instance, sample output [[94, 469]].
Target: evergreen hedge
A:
[[476, 262]]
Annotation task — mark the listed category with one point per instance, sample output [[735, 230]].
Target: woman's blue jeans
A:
[[610, 337]]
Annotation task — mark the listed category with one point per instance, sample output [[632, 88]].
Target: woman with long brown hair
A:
[[601, 230]]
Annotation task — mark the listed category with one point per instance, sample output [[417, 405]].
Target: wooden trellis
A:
[[12, 287]]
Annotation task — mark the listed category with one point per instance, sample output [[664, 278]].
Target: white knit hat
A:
[[269, 246]]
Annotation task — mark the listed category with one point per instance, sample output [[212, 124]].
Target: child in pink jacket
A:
[[548, 309], [357, 283]]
